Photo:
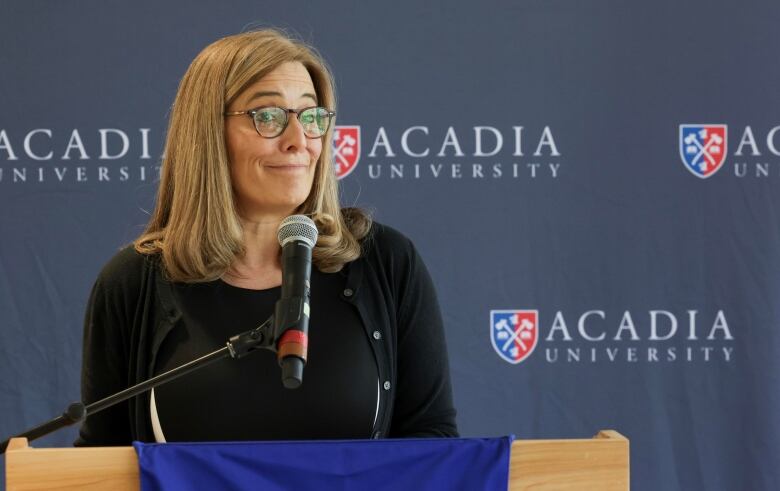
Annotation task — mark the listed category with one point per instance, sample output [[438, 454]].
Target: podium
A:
[[597, 464]]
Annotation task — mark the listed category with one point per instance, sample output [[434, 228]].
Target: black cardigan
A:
[[131, 310]]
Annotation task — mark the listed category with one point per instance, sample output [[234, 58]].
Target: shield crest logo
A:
[[514, 333], [703, 148], [346, 149]]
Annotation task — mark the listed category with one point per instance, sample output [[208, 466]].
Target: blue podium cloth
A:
[[471, 464]]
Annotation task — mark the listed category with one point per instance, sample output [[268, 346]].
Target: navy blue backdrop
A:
[[593, 186]]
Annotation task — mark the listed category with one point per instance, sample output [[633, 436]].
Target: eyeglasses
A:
[[271, 121]]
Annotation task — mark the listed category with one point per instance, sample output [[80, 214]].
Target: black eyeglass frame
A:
[[287, 111]]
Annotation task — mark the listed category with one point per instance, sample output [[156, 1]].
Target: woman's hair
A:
[[195, 226]]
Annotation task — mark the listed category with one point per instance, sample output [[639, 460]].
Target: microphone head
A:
[[297, 228]]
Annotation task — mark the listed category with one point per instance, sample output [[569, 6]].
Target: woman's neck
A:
[[260, 267]]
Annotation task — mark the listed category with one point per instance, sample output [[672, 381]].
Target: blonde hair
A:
[[195, 226]]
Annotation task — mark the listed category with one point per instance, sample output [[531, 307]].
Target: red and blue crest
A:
[[346, 149], [703, 148], [514, 333]]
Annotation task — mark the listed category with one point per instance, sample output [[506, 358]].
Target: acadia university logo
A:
[[346, 149], [703, 148], [514, 333], [101, 155], [425, 152], [596, 336]]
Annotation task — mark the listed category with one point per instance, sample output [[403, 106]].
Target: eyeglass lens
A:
[[271, 121]]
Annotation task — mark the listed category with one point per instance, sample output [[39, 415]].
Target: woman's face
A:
[[272, 176]]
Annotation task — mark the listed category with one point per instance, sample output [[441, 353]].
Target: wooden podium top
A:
[[597, 464]]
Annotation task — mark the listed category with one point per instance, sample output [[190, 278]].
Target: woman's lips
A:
[[287, 167]]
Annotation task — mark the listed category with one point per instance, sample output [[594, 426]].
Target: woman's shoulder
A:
[[391, 252], [376, 239], [384, 239], [126, 269]]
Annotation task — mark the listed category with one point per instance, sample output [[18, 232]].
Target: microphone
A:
[[297, 235]]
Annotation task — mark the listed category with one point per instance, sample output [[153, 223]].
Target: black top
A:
[[244, 399], [132, 311]]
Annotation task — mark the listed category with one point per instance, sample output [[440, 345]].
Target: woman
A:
[[249, 143]]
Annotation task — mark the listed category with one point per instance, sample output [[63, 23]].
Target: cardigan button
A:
[[377, 335], [348, 292], [387, 385]]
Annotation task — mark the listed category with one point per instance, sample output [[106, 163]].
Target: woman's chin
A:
[[281, 206]]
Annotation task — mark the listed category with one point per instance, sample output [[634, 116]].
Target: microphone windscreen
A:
[[297, 228]]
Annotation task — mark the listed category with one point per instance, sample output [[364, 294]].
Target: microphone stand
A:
[[264, 336]]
